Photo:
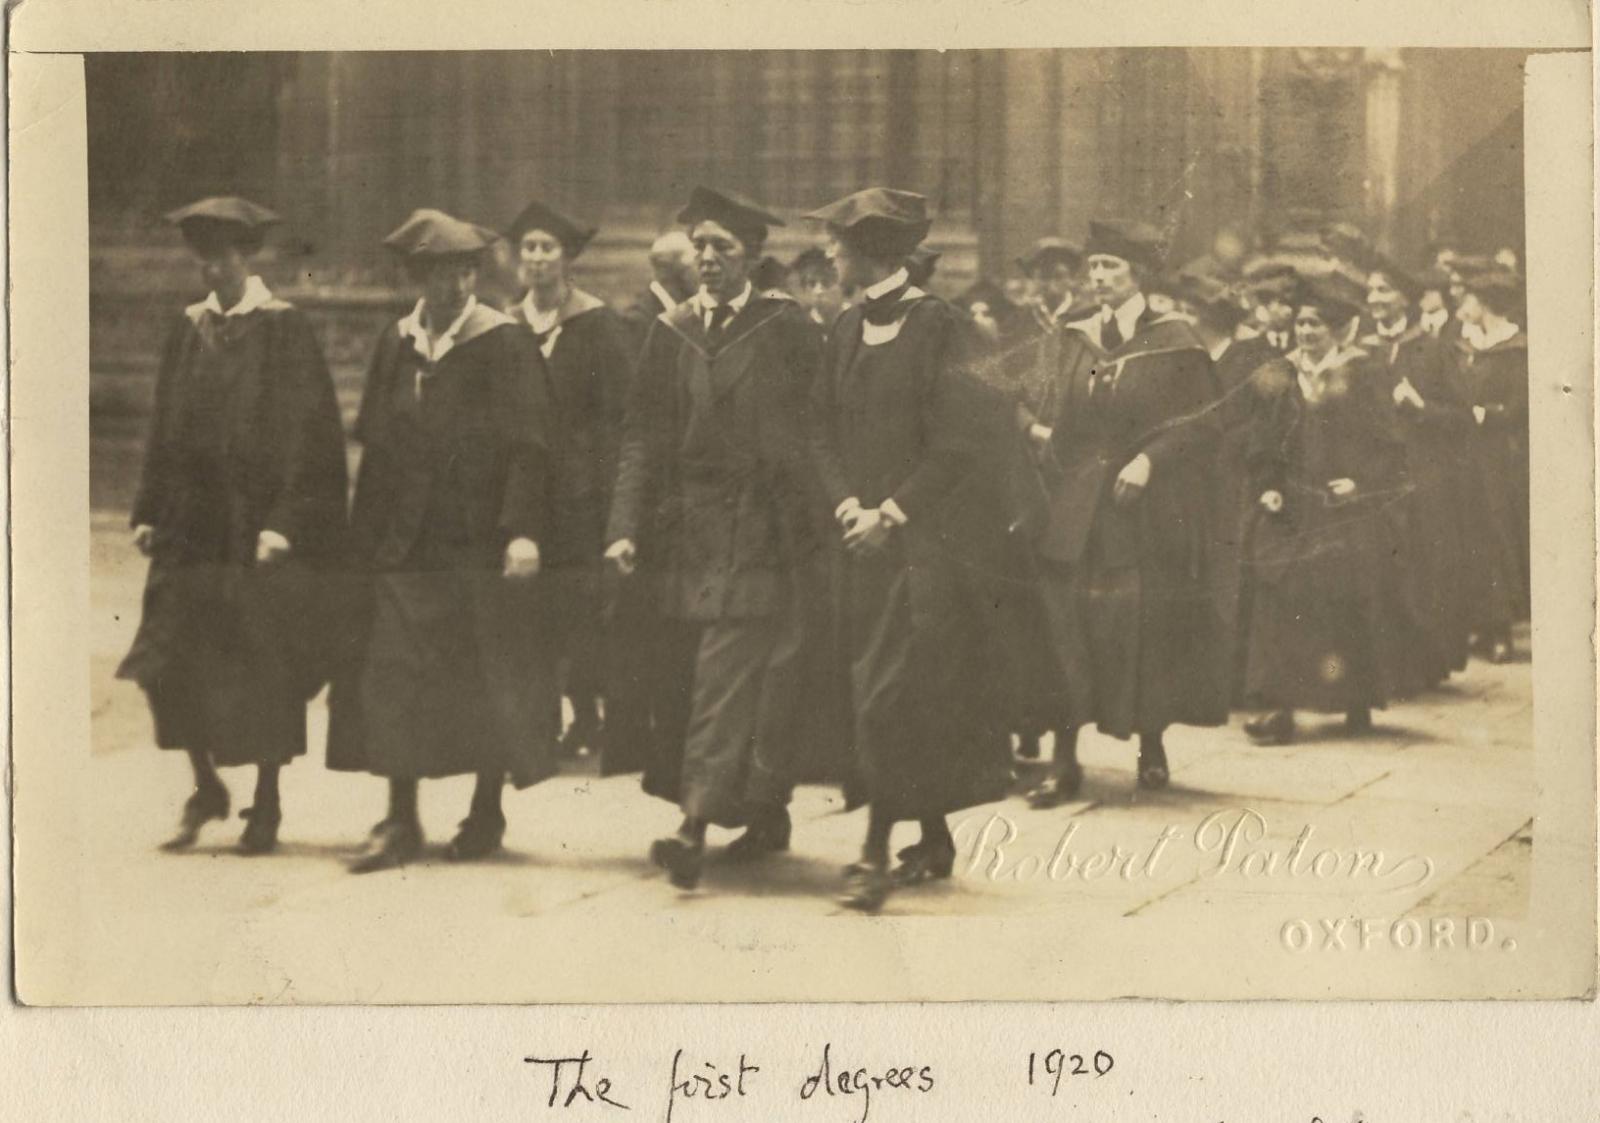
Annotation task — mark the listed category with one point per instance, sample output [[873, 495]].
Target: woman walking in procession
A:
[[1325, 458], [240, 508], [454, 671], [898, 430]]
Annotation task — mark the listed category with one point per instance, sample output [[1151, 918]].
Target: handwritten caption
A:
[[829, 1080]]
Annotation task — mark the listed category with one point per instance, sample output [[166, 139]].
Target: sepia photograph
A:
[[630, 526]]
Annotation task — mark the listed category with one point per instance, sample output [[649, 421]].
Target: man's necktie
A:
[[1111, 334], [720, 315]]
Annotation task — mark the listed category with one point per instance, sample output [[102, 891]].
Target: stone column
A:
[[1382, 68]]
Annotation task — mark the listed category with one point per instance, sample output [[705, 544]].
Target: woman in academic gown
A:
[[240, 509], [586, 360], [1325, 465], [1494, 350], [453, 674], [1129, 445], [898, 433], [1424, 383]]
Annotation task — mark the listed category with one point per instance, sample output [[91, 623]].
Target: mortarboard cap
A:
[[572, 235], [744, 219], [884, 222]]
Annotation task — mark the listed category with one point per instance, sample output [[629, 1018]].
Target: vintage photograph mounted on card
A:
[[822, 524]]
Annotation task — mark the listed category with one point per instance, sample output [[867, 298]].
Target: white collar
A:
[[705, 302], [1127, 315], [1220, 348], [1434, 320], [1396, 331], [1483, 340], [541, 321], [255, 295], [413, 326], [887, 285], [668, 301]]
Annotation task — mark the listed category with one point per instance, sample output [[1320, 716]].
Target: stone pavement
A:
[[1428, 817]]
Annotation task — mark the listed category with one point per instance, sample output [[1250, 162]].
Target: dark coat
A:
[[1433, 588], [1322, 630], [901, 419], [451, 670], [1134, 623], [1498, 383], [245, 437], [712, 485]]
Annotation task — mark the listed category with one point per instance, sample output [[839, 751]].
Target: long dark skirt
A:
[[930, 735], [225, 656], [456, 677]]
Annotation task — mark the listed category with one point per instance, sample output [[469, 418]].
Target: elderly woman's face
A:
[[721, 260], [541, 260], [1312, 332], [447, 284]]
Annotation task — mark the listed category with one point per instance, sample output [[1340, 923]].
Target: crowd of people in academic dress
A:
[[783, 523]]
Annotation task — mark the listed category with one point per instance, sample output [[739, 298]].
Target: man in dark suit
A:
[[713, 478]]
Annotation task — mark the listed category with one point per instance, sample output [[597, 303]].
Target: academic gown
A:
[[712, 489], [897, 419], [586, 362], [1128, 588], [452, 668], [1498, 381], [245, 437], [1436, 510], [1322, 629]]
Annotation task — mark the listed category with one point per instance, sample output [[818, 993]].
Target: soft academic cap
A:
[[572, 235], [885, 222], [429, 233], [220, 218], [1135, 242], [742, 218], [1050, 251]]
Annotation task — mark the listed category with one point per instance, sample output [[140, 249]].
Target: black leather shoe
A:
[[1153, 772], [1061, 787], [1271, 729], [768, 834], [1027, 746], [866, 887], [681, 858], [479, 836], [392, 845], [261, 830], [207, 803], [925, 862]]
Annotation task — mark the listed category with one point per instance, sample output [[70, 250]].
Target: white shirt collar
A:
[[668, 301], [1127, 315], [1483, 340], [887, 285], [1396, 331], [413, 327], [1220, 348], [705, 301], [255, 295], [540, 321]]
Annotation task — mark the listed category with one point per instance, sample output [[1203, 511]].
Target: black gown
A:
[[245, 437]]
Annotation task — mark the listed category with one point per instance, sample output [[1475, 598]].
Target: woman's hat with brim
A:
[[884, 222], [223, 218], [1214, 301], [1498, 286], [1400, 279], [572, 235], [429, 233], [811, 259], [1051, 251], [1271, 278], [1135, 242], [1337, 299], [742, 218]]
